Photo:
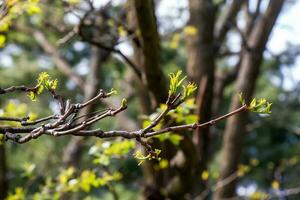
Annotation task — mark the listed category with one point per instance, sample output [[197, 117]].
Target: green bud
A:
[[124, 102]]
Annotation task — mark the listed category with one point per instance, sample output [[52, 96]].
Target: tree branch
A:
[[64, 124]]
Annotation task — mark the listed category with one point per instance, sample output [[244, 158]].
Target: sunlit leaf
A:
[[2, 41], [275, 185], [190, 30], [205, 175]]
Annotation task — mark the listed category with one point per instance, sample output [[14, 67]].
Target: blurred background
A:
[[224, 46]]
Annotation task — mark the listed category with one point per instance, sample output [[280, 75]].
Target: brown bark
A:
[[155, 180], [154, 76], [201, 67], [3, 173], [144, 102], [148, 57], [223, 79], [138, 57], [235, 127]]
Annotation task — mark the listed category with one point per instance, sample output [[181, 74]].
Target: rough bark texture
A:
[[144, 101], [3, 173], [235, 127], [154, 76], [155, 80], [201, 67], [138, 59]]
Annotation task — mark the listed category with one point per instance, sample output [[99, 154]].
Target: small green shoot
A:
[[176, 81], [113, 92], [242, 100], [44, 81], [142, 158], [188, 90], [261, 106], [124, 103]]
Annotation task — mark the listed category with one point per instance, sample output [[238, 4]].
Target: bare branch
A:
[[116, 51], [62, 126], [66, 123], [21, 88], [107, 48]]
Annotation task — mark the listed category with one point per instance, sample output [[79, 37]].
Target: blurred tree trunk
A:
[[3, 173], [224, 24], [175, 181], [250, 66], [201, 67], [202, 49], [154, 76], [143, 97], [138, 59], [226, 21], [148, 56]]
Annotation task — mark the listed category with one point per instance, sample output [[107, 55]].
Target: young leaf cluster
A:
[[44, 81], [16, 8], [68, 180], [150, 156], [176, 81], [261, 106], [103, 153]]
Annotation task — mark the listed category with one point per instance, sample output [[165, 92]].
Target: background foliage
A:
[[108, 168]]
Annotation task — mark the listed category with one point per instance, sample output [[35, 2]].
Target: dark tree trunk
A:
[[201, 67], [3, 173], [154, 76], [149, 190], [138, 57], [235, 128], [149, 58]]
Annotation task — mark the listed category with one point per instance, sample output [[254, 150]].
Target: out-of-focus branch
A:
[[100, 45], [118, 52], [218, 185], [251, 17], [3, 10], [225, 22], [154, 76], [53, 52], [243, 36], [250, 66], [60, 63]]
